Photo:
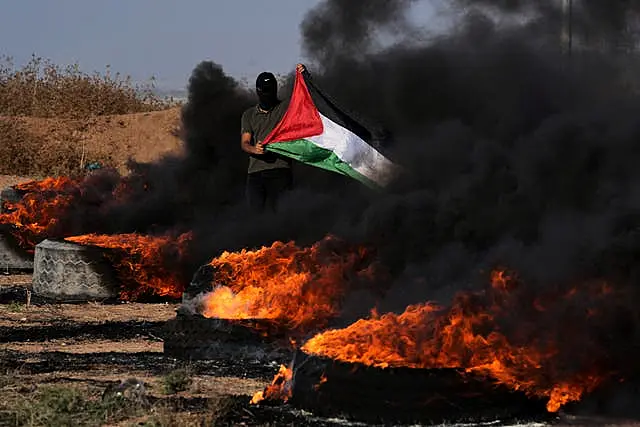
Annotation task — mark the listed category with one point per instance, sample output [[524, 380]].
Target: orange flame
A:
[[466, 336], [278, 390], [45, 206], [141, 262], [323, 379], [300, 288], [35, 216]]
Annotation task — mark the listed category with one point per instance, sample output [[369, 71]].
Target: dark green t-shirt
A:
[[259, 124]]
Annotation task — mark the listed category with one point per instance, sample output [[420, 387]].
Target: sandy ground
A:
[[142, 136], [9, 180], [93, 345], [84, 313]]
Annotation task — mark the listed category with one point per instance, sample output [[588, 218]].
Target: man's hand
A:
[[301, 68], [259, 148]]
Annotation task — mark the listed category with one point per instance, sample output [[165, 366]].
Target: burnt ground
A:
[[76, 352], [90, 347]]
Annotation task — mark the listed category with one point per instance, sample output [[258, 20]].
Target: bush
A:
[[176, 381], [43, 89]]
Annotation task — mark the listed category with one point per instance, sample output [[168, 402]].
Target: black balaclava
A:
[[267, 89]]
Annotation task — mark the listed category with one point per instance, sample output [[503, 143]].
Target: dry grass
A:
[[78, 404], [57, 405], [42, 89], [166, 416]]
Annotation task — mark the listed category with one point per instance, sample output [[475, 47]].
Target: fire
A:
[[278, 390], [471, 335], [299, 288], [65, 206], [142, 262], [37, 215]]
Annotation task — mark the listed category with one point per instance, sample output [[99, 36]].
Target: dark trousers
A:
[[264, 188]]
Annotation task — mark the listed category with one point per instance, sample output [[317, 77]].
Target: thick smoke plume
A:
[[518, 155], [613, 24], [335, 29], [515, 152]]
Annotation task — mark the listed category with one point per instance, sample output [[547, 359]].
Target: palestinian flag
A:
[[315, 132]]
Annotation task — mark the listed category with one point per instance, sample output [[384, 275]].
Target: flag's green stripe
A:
[[309, 153]]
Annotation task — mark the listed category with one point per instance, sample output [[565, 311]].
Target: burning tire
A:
[[200, 283], [8, 195], [12, 257], [194, 337], [69, 272], [402, 395]]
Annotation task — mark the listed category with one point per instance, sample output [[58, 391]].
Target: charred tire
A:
[[65, 271], [201, 283], [331, 388], [8, 195], [191, 336], [12, 257]]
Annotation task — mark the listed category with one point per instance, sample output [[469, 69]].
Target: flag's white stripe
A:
[[354, 151]]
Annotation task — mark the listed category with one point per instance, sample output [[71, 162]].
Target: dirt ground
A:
[[60, 365], [142, 136], [89, 348], [9, 180]]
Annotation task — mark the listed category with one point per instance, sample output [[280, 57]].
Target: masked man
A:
[[269, 175]]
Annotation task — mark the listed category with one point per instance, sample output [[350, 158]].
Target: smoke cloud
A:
[[511, 145], [594, 22], [518, 154]]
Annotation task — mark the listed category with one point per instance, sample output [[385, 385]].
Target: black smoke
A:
[[514, 152], [594, 23], [201, 191], [517, 155], [336, 30], [509, 143]]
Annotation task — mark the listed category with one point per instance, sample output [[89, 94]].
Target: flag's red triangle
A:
[[301, 120]]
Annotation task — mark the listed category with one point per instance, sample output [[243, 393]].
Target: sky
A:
[[161, 38]]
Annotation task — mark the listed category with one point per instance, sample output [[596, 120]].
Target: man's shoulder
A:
[[283, 104], [249, 112]]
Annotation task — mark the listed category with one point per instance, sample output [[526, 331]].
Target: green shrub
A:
[[176, 381]]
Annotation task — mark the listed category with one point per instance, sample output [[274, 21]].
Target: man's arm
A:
[[246, 134], [245, 144]]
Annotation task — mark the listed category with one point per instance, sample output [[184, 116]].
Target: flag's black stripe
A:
[[328, 108]]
